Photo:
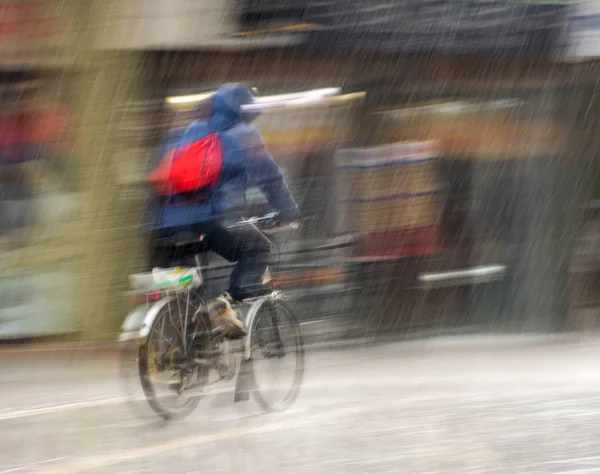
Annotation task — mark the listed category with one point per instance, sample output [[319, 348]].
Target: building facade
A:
[[506, 112]]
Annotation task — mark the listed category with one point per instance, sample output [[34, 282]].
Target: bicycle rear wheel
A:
[[277, 351], [171, 379], [129, 355]]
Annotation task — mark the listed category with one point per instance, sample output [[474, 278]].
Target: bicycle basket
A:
[[165, 279]]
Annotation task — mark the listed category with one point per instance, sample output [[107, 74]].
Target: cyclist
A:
[[245, 161]]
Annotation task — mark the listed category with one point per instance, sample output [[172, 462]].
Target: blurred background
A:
[[453, 187], [446, 188]]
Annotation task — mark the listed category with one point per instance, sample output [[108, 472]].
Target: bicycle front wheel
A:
[[277, 351]]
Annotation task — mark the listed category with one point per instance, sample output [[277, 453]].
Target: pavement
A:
[[472, 404]]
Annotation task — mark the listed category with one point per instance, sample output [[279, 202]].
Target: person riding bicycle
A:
[[245, 161]]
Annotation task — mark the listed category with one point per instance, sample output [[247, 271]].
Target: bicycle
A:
[[176, 341]]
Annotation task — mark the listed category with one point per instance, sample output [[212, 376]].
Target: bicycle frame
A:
[[138, 323]]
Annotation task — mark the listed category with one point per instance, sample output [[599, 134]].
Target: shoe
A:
[[223, 317], [230, 299]]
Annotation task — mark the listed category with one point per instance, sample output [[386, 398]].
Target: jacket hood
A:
[[226, 106]]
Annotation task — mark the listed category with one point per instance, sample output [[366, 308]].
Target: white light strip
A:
[[189, 99], [265, 102], [478, 272], [331, 91], [289, 100]]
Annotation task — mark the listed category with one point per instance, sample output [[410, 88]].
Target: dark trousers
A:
[[245, 245]]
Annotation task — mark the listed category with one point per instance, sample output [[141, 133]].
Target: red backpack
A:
[[190, 167]]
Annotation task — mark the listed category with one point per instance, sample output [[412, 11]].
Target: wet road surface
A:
[[471, 404]]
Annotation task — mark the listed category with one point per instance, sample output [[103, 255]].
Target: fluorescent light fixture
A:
[[476, 274], [453, 107], [289, 100], [265, 101], [189, 99], [331, 91]]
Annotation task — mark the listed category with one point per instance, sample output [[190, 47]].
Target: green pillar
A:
[[102, 83]]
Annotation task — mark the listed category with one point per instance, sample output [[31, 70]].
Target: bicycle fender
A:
[[251, 316], [134, 319], [138, 322]]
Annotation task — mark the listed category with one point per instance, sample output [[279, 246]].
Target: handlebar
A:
[[264, 223], [268, 222]]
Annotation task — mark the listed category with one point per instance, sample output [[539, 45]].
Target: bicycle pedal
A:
[[174, 385]]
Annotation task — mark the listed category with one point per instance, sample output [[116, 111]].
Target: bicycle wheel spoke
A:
[[160, 334], [176, 322]]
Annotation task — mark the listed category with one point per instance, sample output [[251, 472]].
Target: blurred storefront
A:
[[39, 210], [509, 174], [39, 202], [55, 224], [479, 81], [74, 192], [501, 114], [483, 82], [582, 55]]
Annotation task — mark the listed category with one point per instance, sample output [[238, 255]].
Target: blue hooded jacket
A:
[[246, 161]]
